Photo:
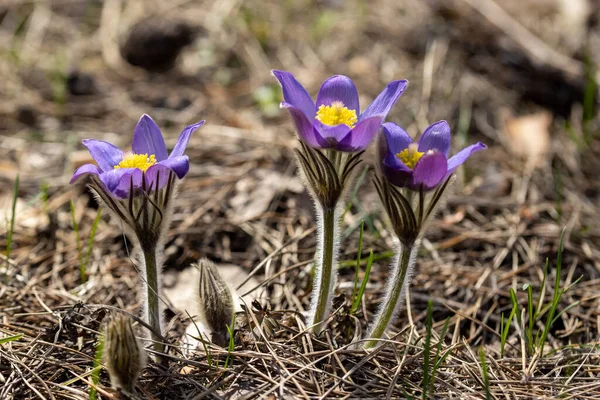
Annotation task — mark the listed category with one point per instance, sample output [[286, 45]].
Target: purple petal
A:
[[436, 137], [107, 155], [339, 88], [147, 139], [184, 138], [381, 106], [118, 181], [331, 135], [361, 135], [85, 170], [395, 171], [396, 137], [159, 172], [180, 165], [460, 157], [295, 94], [429, 171], [306, 132]]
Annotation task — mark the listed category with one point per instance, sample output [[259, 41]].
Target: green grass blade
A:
[[515, 303], [384, 255], [531, 315], [230, 347], [556, 295], [91, 240], [363, 285], [589, 97], [206, 348], [44, 196], [564, 310], [540, 301], [82, 269], [11, 230], [11, 338], [97, 367], [485, 374], [505, 329], [438, 352], [427, 349]]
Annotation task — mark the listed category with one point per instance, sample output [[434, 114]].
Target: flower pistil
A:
[[139, 161], [411, 155], [336, 114]]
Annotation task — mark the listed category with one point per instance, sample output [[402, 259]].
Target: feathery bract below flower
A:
[[217, 310], [425, 163], [335, 121], [123, 353], [119, 171]]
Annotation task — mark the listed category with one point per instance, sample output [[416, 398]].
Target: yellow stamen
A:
[[336, 114], [410, 155], [139, 161]]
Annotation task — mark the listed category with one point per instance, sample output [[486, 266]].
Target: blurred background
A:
[[72, 66], [519, 75]]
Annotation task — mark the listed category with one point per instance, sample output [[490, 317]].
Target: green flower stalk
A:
[[407, 169], [327, 182], [333, 134]]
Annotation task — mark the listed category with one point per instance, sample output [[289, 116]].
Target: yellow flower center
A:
[[410, 155], [336, 114], [139, 161]]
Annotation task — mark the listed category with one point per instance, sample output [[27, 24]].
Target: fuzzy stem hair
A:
[[151, 267], [328, 243], [402, 264], [328, 177]]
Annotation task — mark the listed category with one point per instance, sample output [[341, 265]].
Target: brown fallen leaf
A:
[[255, 193], [530, 136]]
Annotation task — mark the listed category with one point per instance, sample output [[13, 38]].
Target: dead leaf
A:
[[530, 136], [26, 216], [186, 370], [255, 193], [455, 218]]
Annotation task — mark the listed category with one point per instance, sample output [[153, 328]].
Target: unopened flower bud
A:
[[124, 356], [216, 302]]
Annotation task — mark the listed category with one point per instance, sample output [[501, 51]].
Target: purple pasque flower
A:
[[335, 121], [118, 171], [408, 164]]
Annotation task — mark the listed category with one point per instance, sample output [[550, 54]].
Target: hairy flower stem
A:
[[152, 315], [325, 271], [404, 263]]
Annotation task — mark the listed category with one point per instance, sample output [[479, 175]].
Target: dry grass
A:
[[242, 203]]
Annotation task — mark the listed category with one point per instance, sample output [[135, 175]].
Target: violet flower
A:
[[335, 121], [423, 167], [118, 170], [138, 188], [329, 131], [408, 164]]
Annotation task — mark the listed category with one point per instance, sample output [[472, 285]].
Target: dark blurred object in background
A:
[[80, 83], [154, 43], [27, 115], [489, 51]]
